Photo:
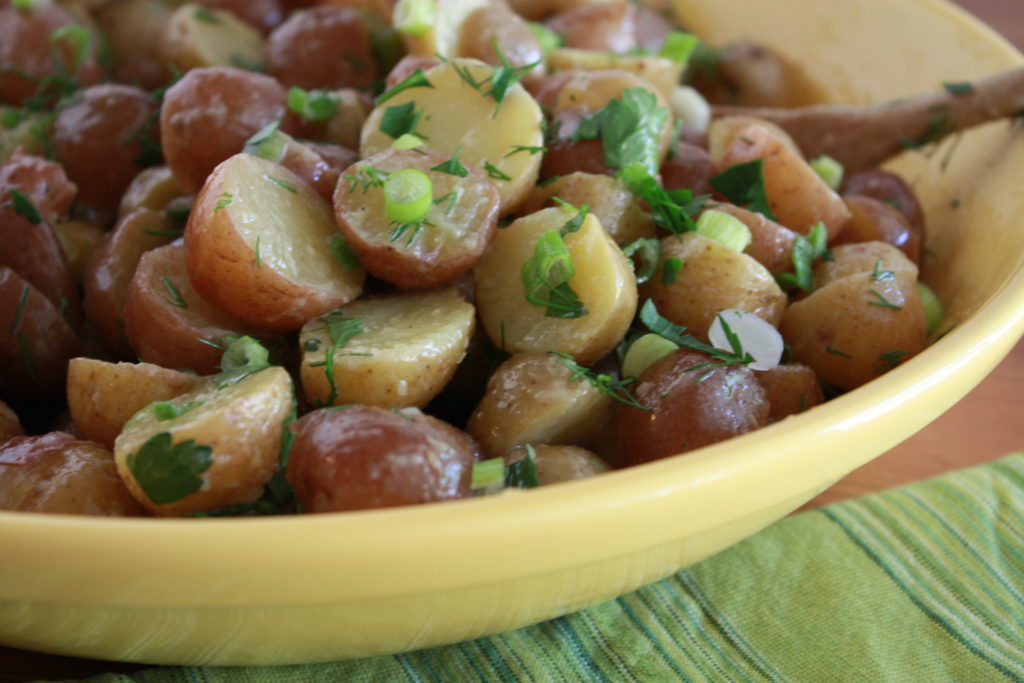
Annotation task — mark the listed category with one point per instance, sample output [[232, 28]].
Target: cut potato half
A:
[[435, 32], [662, 72], [603, 282], [400, 350], [198, 36], [453, 114], [259, 245], [220, 449]]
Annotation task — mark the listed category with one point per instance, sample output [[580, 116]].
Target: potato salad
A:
[[278, 256]]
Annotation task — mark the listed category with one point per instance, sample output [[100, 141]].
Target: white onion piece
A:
[[757, 337]]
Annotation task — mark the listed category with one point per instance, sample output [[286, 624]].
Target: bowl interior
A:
[[332, 586]]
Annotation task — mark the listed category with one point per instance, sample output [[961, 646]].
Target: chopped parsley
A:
[[937, 128], [837, 352], [343, 251], [417, 79], [24, 207], [743, 185], [80, 40], [495, 173], [340, 330], [313, 105], [365, 178], [225, 199], [877, 274], [168, 472], [670, 270], [672, 210], [401, 119], [166, 410], [890, 359], [546, 276], [959, 88], [453, 166], [650, 317], [523, 474], [629, 128], [603, 383], [525, 148], [501, 79], [804, 252], [242, 357], [205, 15]]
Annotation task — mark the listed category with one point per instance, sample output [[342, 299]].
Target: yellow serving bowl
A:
[[303, 589]]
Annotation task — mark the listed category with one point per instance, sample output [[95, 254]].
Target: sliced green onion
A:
[[724, 229], [80, 40], [408, 195], [489, 475], [546, 38], [679, 46], [408, 141], [647, 251], [268, 143], [829, 170], [414, 17], [644, 351], [933, 313]]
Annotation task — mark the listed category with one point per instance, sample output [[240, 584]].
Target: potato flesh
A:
[[198, 36], [411, 345], [103, 396], [442, 38], [532, 398], [661, 72], [457, 115], [603, 281], [57, 473], [243, 423]]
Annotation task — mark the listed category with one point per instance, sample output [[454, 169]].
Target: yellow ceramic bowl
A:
[[235, 591]]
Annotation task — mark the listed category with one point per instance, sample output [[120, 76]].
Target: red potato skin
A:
[[167, 335], [363, 457], [102, 137], [209, 114], [35, 253], [889, 188], [872, 220], [689, 168], [608, 27], [109, 272], [43, 181], [686, 413], [323, 47], [25, 47], [563, 158], [36, 342]]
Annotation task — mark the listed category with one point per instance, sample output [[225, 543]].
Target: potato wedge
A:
[[220, 450], [258, 243], [323, 47], [603, 281], [457, 115], [878, 258], [443, 36], [406, 350], [711, 279], [198, 36], [535, 398], [152, 188], [103, 396], [134, 30], [423, 254], [873, 220], [661, 72], [167, 322], [58, 473]]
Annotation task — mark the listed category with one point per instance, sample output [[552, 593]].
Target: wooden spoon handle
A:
[[861, 137]]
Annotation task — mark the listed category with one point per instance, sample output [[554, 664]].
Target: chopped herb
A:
[[743, 185], [410, 228], [525, 148], [340, 330], [549, 181], [343, 251], [890, 359], [672, 210], [20, 311], [165, 410], [24, 207], [168, 472], [453, 166], [24, 4], [80, 40], [313, 105], [523, 474], [176, 214], [366, 177], [629, 127], [400, 120], [938, 127], [647, 251], [546, 275], [225, 199], [877, 274], [959, 88], [242, 357], [803, 254], [281, 183], [259, 259], [452, 198], [837, 352], [495, 173], [206, 16], [650, 317], [603, 383], [175, 298], [246, 63], [150, 151], [268, 143], [882, 302], [679, 46], [579, 215], [417, 79], [62, 307], [670, 270]]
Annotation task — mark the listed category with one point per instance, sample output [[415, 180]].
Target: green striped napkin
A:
[[920, 583]]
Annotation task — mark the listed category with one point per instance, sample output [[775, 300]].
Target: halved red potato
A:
[[209, 114], [58, 473], [167, 322], [790, 389], [103, 396], [456, 115], [134, 30], [198, 36], [424, 254], [151, 188], [872, 220], [259, 245], [495, 34], [109, 272], [36, 341], [322, 47], [363, 457], [771, 244], [44, 182], [263, 14]]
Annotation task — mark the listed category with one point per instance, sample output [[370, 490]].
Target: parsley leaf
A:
[[672, 210], [495, 173], [400, 120], [453, 166], [340, 330], [417, 79], [546, 275], [603, 383], [630, 130], [168, 472], [24, 207], [743, 185], [650, 317], [313, 105], [670, 270], [343, 251], [959, 88], [523, 474]]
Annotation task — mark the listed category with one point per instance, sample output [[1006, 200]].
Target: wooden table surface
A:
[[983, 426]]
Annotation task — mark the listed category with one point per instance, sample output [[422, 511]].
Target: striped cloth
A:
[[920, 583]]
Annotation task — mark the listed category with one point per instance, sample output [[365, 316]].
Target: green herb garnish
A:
[[603, 383], [167, 473], [743, 185], [313, 105], [453, 166], [417, 79]]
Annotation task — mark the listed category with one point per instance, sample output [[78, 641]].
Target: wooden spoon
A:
[[861, 137]]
